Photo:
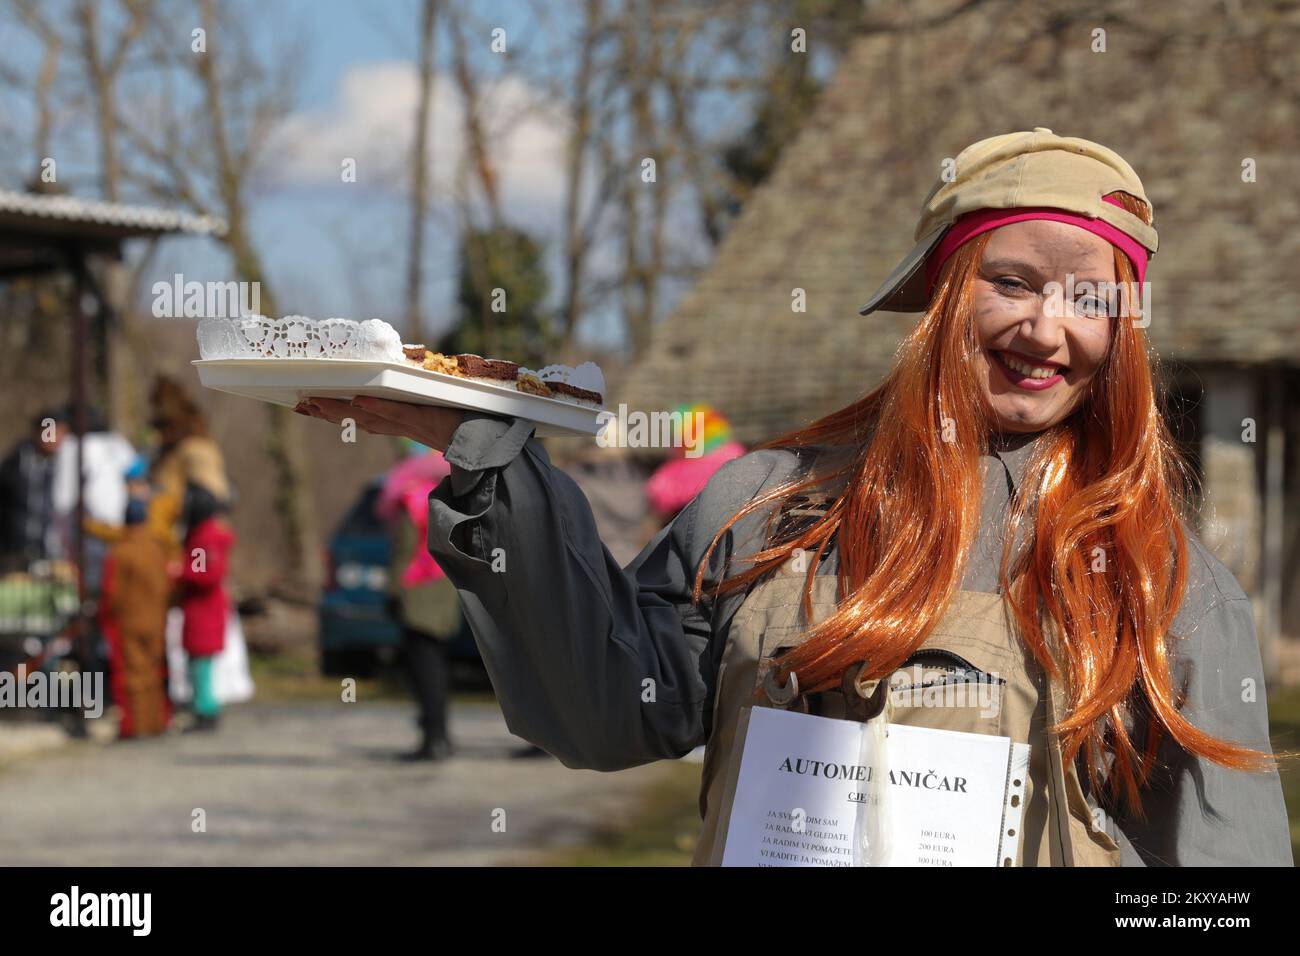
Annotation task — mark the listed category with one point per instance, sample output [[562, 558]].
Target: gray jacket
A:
[[568, 636]]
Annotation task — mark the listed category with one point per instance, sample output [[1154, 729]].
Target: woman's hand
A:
[[431, 425]]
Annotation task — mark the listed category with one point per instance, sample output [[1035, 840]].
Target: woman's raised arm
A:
[[603, 667]]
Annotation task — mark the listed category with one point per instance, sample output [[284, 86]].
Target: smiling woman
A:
[[1039, 364], [1042, 355], [1005, 506]]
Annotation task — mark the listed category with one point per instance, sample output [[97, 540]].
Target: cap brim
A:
[[904, 290]]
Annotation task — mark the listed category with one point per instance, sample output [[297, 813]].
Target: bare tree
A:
[[634, 85], [234, 163], [476, 172], [51, 46], [577, 230], [420, 170], [102, 68], [477, 144], [215, 104]]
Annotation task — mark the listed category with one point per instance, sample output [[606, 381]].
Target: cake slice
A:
[[583, 395], [584, 385], [496, 371]]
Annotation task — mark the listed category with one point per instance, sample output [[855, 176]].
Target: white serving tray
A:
[[288, 381]]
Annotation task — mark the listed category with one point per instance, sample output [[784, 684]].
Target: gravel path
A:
[[304, 783]]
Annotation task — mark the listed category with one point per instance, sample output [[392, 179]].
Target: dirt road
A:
[[304, 783]]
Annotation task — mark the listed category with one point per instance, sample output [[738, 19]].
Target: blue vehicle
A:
[[357, 626]]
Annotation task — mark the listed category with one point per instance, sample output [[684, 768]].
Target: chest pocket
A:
[[970, 675], [938, 688]]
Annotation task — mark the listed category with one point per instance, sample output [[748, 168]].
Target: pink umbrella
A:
[[677, 481]]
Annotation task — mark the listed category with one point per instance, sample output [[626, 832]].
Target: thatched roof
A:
[[1183, 96]]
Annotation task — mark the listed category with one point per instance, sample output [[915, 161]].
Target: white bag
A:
[[232, 681]]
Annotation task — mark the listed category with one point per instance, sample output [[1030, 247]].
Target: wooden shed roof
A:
[[36, 228]]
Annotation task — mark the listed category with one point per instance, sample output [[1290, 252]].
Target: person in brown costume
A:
[[133, 616]]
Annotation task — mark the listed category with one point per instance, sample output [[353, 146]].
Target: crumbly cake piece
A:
[[446, 364], [433, 361], [529, 383]]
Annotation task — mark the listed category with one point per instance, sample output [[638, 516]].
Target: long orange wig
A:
[[1109, 477]]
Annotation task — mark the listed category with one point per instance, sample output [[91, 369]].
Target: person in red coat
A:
[[203, 600]]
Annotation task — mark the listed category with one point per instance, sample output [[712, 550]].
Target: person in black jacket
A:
[[27, 494]]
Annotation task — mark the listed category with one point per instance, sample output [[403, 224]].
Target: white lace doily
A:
[[296, 336]]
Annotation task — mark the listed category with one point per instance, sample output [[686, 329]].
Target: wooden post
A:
[[1234, 515], [1271, 570], [1231, 507], [80, 292]]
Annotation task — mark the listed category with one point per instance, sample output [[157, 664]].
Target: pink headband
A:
[[982, 220]]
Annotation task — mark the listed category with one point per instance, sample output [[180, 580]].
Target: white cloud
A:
[[373, 119]]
